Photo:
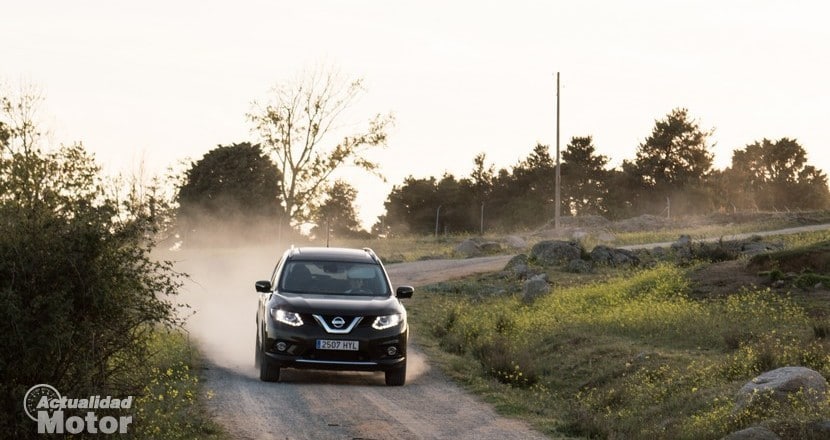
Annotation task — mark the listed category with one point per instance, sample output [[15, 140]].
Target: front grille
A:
[[348, 323]]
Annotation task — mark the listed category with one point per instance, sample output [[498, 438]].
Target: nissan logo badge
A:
[[338, 322]]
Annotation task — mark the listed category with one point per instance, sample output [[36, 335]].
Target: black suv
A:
[[332, 309]]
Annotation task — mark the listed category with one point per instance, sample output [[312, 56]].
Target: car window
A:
[[334, 277]]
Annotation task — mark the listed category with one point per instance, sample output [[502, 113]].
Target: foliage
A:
[[295, 125], [671, 175], [170, 403], [774, 175], [674, 162], [79, 291], [584, 178], [628, 357], [231, 184], [337, 213]]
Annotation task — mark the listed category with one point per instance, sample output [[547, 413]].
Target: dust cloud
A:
[[220, 293]]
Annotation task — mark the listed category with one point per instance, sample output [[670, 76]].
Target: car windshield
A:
[[334, 278]]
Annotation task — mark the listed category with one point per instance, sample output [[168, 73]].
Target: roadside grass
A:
[[407, 248], [700, 232], [172, 403], [620, 355]]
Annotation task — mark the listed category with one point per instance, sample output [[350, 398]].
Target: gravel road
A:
[[325, 405]]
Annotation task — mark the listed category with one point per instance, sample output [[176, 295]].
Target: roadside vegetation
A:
[[84, 307], [627, 353], [172, 403]]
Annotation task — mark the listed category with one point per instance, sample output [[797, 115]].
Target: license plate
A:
[[334, 344]]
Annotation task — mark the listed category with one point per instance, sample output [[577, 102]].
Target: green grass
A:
[[172, 403], [630, 356]]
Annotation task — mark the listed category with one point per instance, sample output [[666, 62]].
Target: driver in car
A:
[[355, 285]]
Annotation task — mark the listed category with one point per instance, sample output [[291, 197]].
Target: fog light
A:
[[281, 346], [392, 350]]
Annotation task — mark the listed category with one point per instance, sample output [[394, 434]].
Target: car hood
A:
[[337, 304]]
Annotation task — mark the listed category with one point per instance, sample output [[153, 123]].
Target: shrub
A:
[[79, 292]]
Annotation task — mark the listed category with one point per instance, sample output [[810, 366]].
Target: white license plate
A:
[[329, 344]]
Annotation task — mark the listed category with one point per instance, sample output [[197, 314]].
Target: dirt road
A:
[[325, 405]]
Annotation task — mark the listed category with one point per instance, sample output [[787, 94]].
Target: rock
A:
[[579, 266], [682, 248], [515, 242], [605, 255], [490, 247], [753, 433], [683, 242], [779, 384], [517, 265], [552, 252], [468, 248], [819, 429], [534, 288], [758, 247]]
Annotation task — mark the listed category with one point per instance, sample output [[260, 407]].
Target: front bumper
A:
[[295, 347]]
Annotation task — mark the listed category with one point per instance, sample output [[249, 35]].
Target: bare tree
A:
[[19, 132], [296, 125]]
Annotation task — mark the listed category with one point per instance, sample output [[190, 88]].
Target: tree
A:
[[524, 196], [410, 207], [481, 178], [337, 213], [232, 188], [775, 175], [584, 178], [296, 126], [674, 162], [79, 292]]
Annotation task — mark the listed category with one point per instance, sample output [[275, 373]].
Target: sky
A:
[[148, 85]]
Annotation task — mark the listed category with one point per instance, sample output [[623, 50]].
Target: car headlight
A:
[[286, 317], [387, 321]]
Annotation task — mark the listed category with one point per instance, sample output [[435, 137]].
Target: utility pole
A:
[[558, 200], [437, 216]]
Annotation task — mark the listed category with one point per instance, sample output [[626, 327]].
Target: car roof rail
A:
[[371, 253]]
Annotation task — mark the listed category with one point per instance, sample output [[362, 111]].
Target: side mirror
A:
[[404, 291], [263, 286]]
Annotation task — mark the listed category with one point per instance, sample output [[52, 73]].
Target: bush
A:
[[79, 293]]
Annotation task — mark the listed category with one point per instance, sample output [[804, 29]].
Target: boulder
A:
[[819, 429], [517, 265], [780, 384], [758, 247], [683, 248], [579, 266], [553, 252], [468, 248], [515, 242], [534, 288], [753, 433], [609, 256]]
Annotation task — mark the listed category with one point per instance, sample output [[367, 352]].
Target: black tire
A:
[[267, 372], [257, 353], [396, 377]]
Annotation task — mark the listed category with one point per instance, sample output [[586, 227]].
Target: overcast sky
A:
[[160, 81]]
